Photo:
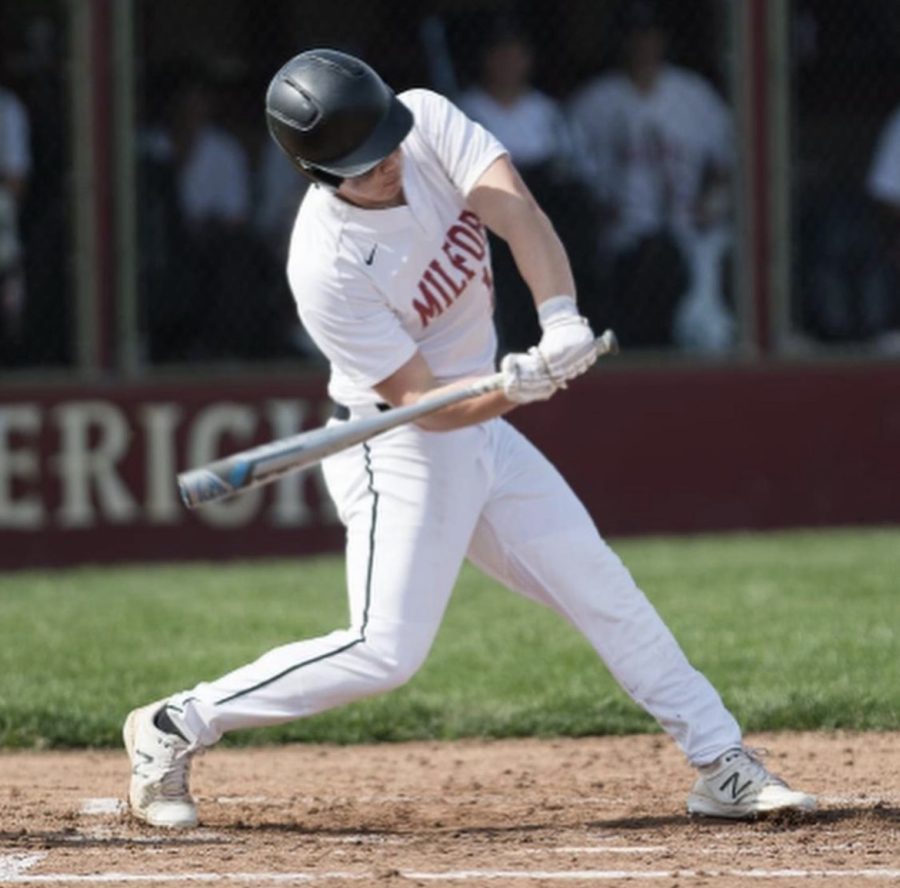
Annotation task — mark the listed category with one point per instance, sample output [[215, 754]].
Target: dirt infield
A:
[[597, 811]]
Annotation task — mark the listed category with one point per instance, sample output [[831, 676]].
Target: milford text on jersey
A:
[[462, 256]]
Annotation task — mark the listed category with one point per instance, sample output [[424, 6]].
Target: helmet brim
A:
[[384, 139]]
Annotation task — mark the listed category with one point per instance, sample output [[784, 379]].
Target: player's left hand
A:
[[568, 346], [525, 377]]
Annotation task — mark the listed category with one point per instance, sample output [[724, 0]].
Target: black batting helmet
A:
[[333, 115]]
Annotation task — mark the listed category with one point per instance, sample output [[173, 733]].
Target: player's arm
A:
[[414, 381], [503, 202]]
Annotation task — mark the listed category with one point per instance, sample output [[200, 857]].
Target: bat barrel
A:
[[260, 465], [199, 486]]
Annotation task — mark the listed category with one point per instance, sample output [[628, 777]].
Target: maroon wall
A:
[[87, 472], [711, 449]]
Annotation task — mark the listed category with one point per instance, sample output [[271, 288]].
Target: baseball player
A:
[[390, 268]]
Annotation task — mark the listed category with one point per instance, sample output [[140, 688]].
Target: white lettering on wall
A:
[[110, 463], [289, 508], [94, 437], [26, 511], [161, 502]]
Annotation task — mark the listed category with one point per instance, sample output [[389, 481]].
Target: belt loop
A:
[[342, 411]]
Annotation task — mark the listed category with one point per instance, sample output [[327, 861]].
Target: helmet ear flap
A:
[[320, 177]]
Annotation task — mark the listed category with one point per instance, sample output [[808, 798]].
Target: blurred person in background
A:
[[527, 121], [656, 147], [279, 191], [883, 186], [15, 168], [210, 284], [534, 129]]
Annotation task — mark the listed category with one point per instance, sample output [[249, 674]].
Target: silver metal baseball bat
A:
[[268, 462]]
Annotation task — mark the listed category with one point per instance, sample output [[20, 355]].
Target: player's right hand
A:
[[526, 377], [568, 345]]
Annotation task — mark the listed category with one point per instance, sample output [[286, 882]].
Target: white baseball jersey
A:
[[15, 153], [883, 182], [15, 163], [214, 180], [645, 153], [533, 127], [372, 286]]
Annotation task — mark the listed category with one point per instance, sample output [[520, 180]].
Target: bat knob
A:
[[608, 343]]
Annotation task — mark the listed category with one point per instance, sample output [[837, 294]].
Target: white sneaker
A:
[[738, 785], [160, 768]]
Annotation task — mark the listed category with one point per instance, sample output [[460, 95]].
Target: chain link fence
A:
[[625, 186], [846, 173], [622, 116]]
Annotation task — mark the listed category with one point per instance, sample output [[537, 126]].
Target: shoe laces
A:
[[751, 764], [173, 781]]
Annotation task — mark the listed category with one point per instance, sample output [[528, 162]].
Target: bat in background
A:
[[268, 462]]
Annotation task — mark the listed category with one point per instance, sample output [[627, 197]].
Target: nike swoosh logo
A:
[[371, 257]]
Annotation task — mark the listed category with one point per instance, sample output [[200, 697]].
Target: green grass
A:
[[797, 630]]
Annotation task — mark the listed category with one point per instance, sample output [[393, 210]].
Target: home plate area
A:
[[590, 811]]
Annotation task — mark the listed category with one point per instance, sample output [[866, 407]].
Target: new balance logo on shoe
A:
[[738, 785], [736, 791]]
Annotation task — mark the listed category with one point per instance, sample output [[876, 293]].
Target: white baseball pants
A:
[[415, 504]]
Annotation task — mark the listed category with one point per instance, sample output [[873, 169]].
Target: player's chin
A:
[[391, 189]]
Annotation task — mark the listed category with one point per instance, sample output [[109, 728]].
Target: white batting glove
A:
[[568, 344], [526, 377]]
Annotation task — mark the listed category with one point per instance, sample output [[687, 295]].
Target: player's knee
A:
[[394, 665], [398, 670]]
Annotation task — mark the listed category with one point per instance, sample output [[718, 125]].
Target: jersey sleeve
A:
[[464, 148], [352, 326]]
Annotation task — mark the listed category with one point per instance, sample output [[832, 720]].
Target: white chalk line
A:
[[665, 850], [461, 876], [246, 800], [647, 875], [860, 799], [13, 864], [366, 839], [387, 798], [605, 849], [101, 806], [13, 871], [102, 834]]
